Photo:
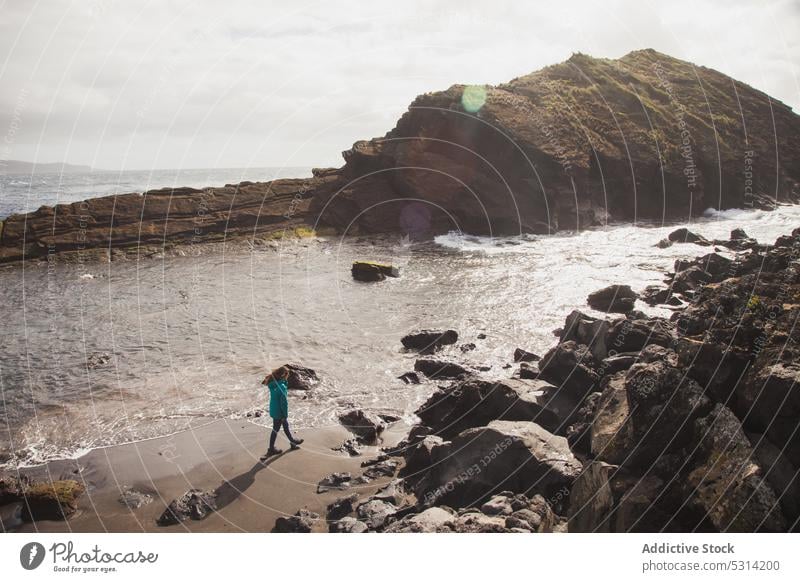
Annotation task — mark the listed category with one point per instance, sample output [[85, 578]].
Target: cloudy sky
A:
[[195, 84]]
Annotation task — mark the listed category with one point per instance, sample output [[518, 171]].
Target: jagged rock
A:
[[409, 378], [644, 413], [340, 480], [385, 468], [468, 347], [571, 367], [522, 456], [431, 520], [341, 507], [195, 504], [684, 235], [347, 525], [367, 426], [54, 500], [477, 402], [779, 473], [301, 378], [521, 355], [614, 298], [368, 271], [589, 331], [434, 368], [527, 371], [739, 234], [418, 458], [769, 399], [628, 335], [726, 483], [301, 522], [392, 492], [375, 513], [350, 446], [427, 341], [133, 499], [497, 505]]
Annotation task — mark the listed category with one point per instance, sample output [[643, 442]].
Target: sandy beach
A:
[[222, 455]]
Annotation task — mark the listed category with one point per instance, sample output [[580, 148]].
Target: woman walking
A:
[[278, 385]]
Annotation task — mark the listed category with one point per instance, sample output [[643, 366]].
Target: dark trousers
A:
[[277, 423]]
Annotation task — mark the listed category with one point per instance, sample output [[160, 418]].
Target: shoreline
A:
[[223, 455]]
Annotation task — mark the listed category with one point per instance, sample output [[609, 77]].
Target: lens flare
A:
[[473, 97]]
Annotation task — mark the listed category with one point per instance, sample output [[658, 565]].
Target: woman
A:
[[278, 385]]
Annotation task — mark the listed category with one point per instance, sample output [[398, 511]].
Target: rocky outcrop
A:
[[573, 145], [427, 341], [366, 425], [614, 298], [51, 500]]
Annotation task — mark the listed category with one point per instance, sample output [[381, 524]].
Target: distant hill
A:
[[20, 167]]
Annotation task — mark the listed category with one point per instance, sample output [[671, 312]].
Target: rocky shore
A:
[[628, 424], [577, 144]]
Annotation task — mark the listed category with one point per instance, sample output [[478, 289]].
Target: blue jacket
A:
[[278, 398]]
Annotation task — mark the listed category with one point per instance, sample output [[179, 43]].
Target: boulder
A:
[[339, 481], [768, 399], [341, 507], [301, 378], [628, 335], [614, 298], [521, 355], [527, 371], [589, 331], [369, 271], [571, 367], [54, 500], [385, 468], [194, 504], [347, 525], [519, 456], [301, 522], [684, 235], [367, 426], [475, 402], [726, 484], [418, 459], [431, 520], [645, 413], [779, 473], [433, 368], [375, 513], [427, 341], [738, 234]]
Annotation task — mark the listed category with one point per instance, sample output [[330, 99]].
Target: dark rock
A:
[[589, 331], [726, 484], [194, 504], [97, 360], [427, 341], [468, 347], [368, 271], [521, 355], [301, 378], [341, 507], [350, 446], [375, 513], [418, 459], [684, 235], [385, 468], [391, 492], [477, 402], [644, 413], [738, 234], [571, 367], [521, 455], [433, 368], [481, 336], [301, 522], [779, 473], [528, 371], [633, 335], [410, 378], [367, 426], [333, 481], [664, 243], [614, 298], [55, 500]]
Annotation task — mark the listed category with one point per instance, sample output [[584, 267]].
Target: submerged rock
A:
[[428, 341], [433, 368], [614, 298]]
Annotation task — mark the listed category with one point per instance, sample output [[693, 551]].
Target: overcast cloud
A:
[[177, 83]]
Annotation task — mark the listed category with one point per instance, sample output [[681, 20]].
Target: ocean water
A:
[[21, 193], [177, 341]]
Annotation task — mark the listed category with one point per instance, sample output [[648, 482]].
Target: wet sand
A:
[[223, 454]]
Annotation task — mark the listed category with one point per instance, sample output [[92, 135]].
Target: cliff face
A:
[[645, 137], [573, 145]]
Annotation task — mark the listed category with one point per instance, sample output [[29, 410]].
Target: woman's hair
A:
[[278, 373]]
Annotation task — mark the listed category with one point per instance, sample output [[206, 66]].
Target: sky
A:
[[200, 84]]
